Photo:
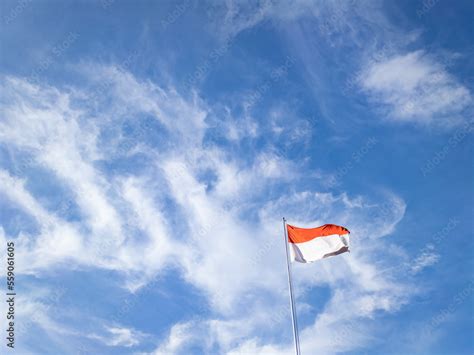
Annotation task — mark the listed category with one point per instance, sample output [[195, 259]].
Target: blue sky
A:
[[148, 151]]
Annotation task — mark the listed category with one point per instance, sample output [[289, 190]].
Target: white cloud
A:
[[120, 336], [155, 251], [57, 241], [405, 86], [360, 287], [40, 121], [181, 335], [237, 16], [415, 87], [184, 118], [125, 223], [427, 258]]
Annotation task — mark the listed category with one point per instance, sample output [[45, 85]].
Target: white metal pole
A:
[[290, 287]]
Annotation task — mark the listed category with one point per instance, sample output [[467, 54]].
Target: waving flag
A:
[[311, 244]]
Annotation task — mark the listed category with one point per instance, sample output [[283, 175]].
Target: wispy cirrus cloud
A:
[[119, 336], [156, 204], [125, 222], [427, 258]]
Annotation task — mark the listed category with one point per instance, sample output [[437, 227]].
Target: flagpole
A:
[[290, 287]]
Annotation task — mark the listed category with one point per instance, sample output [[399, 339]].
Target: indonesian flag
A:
[[311, 244]]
